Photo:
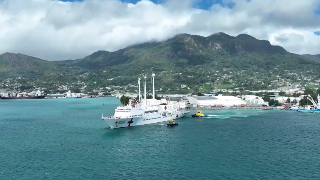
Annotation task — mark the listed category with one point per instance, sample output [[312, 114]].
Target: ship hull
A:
[[122, 122], [143, 120], [309, 110], [182, 114], [26, 97]]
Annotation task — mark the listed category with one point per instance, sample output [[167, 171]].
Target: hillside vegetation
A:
[[183, 63]]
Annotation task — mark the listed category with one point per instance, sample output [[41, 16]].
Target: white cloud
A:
[[56, 30]]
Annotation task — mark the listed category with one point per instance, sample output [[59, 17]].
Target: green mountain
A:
[[183, 50], [183, 63], [313, 57], [23, 65], [25, 72]]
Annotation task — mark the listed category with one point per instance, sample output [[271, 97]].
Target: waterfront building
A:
[[253, 100], [223, 101]]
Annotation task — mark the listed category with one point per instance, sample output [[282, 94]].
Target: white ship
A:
[[73, 95], [142, 114]]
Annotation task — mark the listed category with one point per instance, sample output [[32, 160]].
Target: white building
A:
[[178, 104], [226, 101], [253, 100], [282, 99]]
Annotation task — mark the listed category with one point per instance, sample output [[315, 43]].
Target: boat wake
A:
[[225, 116]]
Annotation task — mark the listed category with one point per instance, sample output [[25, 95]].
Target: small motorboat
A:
[[171, 123], [199, 114]]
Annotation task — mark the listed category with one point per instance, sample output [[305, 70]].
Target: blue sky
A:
[[318, 10], [201, 4]]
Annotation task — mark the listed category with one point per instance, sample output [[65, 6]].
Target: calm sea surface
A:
[[66, 139]]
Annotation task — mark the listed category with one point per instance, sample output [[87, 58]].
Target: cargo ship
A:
[[23, 97], [37, 95]]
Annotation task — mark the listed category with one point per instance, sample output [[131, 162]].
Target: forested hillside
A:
[[183, 63]]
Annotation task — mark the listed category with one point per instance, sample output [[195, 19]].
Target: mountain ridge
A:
[[315, 57], [208, 60], [183, 45]]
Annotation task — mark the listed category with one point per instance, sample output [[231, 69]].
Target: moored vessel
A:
[[73, 95], [24, 97], [314, 108], [36, 95]]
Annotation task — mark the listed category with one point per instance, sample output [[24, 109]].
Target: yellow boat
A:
[[199, 114], [171, 123]]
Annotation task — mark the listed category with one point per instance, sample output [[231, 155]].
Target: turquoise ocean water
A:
[[66, 139]]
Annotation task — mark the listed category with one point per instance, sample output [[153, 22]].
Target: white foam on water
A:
[[212, 115]]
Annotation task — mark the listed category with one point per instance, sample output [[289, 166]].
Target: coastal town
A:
[[285, 93]]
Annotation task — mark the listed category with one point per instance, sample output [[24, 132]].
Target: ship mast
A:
[[139, 95], [153, 93], [145, 89]]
